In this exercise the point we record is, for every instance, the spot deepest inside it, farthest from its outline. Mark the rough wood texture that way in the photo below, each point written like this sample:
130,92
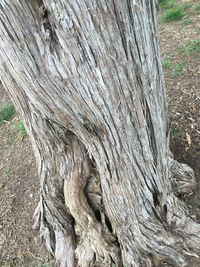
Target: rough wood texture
87,79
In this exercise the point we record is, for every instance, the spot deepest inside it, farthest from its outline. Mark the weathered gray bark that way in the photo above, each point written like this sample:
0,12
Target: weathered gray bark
87,79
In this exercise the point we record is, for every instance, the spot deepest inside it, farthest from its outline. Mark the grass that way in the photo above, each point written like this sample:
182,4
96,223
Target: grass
20,129
196,7
191,48
176,68
6,170
172,11
186,5
175,131
17,132
6,113
166,4
187,21
166,63
173,14
10,140
194,46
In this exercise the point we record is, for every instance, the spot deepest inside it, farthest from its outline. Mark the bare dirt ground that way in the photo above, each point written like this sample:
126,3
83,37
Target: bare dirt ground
180,43
19,185
19,194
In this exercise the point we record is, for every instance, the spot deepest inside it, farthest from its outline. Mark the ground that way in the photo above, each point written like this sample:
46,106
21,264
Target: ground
19,184
19,194
180,50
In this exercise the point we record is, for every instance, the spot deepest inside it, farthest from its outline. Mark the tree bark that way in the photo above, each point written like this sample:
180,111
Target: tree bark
86,77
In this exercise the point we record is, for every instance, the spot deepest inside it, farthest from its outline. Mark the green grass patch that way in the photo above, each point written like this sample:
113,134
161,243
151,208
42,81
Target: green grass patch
10,140
17,132
174,131
187,21
191,48
20,129
173,14
166,4
5,170
186,5
196,7
166,63
6,113
176,68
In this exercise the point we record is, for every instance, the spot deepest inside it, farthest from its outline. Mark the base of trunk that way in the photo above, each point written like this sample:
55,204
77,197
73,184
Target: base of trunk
77,231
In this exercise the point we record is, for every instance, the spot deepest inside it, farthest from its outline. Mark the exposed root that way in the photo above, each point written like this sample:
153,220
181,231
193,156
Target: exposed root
56,232
183,177
95,244
95,247
178,242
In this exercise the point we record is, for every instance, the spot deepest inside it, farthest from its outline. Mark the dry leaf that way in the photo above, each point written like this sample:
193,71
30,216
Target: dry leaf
194,110
188,139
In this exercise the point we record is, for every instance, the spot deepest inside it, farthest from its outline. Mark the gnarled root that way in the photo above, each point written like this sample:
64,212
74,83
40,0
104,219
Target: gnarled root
56,230
183,177
96,245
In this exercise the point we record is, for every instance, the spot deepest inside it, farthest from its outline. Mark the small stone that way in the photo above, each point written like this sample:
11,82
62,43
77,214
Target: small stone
194,217
1,185
31,195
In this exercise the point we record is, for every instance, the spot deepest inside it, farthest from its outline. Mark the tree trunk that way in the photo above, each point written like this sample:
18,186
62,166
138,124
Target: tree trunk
86,77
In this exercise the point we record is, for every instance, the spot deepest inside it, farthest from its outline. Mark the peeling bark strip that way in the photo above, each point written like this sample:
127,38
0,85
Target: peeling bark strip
87,79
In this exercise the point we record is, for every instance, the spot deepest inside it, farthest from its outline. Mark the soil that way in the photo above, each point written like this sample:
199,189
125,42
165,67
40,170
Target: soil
19,184
183,90
19,195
